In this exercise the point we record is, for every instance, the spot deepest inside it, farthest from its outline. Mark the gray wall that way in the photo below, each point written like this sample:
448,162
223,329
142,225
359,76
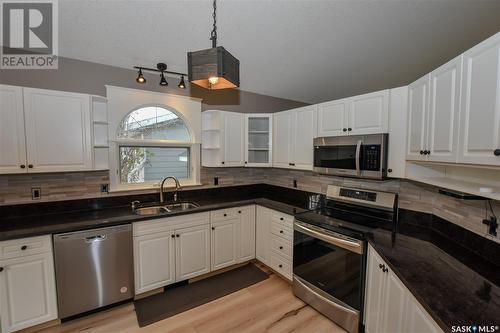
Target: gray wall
91,78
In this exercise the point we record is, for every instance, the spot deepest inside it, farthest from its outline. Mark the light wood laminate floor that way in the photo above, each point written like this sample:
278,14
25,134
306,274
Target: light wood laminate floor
268,306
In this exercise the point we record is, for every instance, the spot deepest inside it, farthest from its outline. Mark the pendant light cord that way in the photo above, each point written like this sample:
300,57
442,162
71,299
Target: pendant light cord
213,35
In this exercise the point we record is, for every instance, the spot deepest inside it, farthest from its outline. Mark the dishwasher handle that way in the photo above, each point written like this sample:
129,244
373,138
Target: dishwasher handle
97,238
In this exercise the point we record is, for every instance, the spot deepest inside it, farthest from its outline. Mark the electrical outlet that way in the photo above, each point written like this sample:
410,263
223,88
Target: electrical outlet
36,193
295,183
492,225
104,188
216,181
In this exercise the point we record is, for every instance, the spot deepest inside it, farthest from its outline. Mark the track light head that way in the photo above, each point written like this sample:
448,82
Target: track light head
182,84
140,78
163,81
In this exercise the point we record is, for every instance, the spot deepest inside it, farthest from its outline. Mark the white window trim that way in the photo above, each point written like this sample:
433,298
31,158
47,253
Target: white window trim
122,101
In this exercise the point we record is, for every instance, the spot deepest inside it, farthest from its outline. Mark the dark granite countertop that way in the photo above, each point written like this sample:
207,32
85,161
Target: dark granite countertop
452,293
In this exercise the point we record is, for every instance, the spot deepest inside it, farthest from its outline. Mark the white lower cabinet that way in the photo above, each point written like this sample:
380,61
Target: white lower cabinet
224,242
275,240
389,306
192,252
247,233
27,283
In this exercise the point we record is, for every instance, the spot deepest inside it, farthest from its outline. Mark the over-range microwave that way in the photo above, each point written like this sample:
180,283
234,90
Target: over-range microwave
361,156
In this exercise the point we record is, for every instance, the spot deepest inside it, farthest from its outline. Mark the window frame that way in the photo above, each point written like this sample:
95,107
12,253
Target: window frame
116,143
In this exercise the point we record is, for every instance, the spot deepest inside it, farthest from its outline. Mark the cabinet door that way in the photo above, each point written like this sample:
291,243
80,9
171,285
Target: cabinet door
263,233
223,243
417,319
304,129
480,107
247,233
398,103
28,290
442,138
369,113
58,134
394,307
283,126
418,93
375,292
12,139
154,261
258,143
192,252
234,139
332,118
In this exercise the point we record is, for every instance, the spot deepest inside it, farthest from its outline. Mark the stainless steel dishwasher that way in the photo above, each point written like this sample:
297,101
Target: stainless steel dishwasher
94,268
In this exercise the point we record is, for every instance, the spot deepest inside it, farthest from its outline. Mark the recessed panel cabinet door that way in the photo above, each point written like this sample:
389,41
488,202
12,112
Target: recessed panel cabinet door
12,139
375,292
305,130
247,233
418,100
263,231
154,261
223,243
282,154
442,139
369,113
28,292
234,139
394,305
480,107
58,133
192,252
332,118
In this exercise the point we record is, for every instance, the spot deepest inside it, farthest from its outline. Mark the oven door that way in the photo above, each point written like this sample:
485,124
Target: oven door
328,273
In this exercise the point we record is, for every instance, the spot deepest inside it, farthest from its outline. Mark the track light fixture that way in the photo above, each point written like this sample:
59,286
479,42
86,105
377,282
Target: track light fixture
140,77
162,69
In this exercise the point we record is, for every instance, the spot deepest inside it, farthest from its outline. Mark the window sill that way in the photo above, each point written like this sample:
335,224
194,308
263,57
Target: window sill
150,187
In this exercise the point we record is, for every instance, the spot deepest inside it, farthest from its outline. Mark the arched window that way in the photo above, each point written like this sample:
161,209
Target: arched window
154,142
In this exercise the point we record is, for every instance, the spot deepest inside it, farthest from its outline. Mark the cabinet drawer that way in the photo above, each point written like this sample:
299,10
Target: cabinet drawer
169,223
26,246
281,246
285,219
281,265
281,230
224,214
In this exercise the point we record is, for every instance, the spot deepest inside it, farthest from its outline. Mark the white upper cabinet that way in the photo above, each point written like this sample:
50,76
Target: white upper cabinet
258,141
332,118
294,131
12,137
233,139
283,126
480,107
58,133
443,114
369,113
418,101
363,114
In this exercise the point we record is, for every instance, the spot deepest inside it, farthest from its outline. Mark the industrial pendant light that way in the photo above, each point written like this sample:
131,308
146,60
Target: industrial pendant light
182,85
140,77
214,68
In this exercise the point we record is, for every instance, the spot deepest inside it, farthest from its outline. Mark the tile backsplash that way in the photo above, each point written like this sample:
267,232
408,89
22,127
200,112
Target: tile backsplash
414,196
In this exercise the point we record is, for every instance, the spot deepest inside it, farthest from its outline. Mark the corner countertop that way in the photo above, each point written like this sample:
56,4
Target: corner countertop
449,290
43,224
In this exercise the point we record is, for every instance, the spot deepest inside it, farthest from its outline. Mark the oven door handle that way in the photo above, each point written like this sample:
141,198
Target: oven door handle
353,246
358,157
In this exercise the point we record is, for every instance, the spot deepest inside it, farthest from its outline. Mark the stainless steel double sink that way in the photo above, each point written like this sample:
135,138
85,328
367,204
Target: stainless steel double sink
165,208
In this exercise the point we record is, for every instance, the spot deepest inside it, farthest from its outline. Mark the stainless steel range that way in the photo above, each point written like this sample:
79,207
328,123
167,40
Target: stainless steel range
329,252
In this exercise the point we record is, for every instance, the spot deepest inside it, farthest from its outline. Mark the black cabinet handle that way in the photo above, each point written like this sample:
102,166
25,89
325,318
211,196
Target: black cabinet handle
30,166
24,247
280,265
246,162
22,166
225,214
380,266
496,152
281,218
176,235
173,236
344,129
222,162
1,269
421,152
385,270
292,164
281,231
349,129
213,228
389,170
281,247
239,212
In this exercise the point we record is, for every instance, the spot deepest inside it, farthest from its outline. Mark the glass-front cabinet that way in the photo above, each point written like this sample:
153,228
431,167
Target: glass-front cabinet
258,141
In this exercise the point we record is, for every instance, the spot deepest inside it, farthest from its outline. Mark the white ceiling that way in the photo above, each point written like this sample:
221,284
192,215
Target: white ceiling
309,51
